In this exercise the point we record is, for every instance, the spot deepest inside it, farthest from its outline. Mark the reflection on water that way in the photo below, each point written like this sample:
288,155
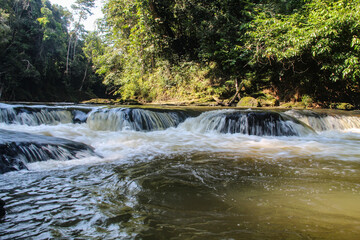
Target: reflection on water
180,183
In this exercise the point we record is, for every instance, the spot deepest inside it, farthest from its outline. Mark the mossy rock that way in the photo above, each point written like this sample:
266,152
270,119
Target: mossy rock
344,106
299,105
99,101
248,102
268,102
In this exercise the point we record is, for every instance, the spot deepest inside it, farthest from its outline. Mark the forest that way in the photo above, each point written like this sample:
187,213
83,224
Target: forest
298,51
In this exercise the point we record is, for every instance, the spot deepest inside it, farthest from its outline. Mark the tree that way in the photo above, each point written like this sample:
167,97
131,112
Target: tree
5,37
82,9
151,36
33,54
93,47
314,49
18,61
54,22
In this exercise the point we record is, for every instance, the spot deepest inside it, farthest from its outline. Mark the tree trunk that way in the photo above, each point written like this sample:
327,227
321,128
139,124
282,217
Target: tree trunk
75,43
68,55
83,80
237,94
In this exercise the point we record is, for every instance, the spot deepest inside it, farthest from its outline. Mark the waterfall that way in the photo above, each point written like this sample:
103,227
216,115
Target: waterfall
38,115
17,149
260,123
34,118
120,119
325,122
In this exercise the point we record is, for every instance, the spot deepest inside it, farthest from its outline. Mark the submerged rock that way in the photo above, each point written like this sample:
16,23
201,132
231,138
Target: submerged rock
79,116
18,148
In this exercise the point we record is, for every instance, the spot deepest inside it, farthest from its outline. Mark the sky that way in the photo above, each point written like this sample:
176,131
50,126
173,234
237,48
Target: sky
90,22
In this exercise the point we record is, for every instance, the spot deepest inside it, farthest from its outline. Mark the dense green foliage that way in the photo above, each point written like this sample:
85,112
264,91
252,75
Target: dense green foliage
151,50
173,49
35,39
313,50
189,48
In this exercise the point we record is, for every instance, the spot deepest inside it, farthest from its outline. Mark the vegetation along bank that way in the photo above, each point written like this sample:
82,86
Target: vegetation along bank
258,53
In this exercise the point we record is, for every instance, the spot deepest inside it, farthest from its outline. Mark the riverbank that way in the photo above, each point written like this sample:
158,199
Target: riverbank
244,102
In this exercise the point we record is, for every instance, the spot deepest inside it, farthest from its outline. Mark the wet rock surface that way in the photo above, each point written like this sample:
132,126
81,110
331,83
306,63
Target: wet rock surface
19,148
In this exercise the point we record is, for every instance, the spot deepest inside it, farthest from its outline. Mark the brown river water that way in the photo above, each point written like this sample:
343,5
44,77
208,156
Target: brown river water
181,174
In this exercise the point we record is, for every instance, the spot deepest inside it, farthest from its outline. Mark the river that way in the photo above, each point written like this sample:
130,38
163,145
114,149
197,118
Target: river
178,173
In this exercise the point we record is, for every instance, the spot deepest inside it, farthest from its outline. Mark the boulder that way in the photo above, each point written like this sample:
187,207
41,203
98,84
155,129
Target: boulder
344,106
17,149
248,102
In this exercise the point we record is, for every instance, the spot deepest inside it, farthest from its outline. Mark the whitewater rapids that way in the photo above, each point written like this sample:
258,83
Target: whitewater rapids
185,173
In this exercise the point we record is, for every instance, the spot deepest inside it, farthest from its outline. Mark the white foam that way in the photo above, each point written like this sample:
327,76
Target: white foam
125,145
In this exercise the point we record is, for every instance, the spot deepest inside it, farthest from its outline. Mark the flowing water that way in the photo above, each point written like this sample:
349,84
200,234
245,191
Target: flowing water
181,174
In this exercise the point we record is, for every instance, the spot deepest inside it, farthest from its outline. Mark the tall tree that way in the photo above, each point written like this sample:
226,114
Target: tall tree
54,22
82,9
18,61
33,51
